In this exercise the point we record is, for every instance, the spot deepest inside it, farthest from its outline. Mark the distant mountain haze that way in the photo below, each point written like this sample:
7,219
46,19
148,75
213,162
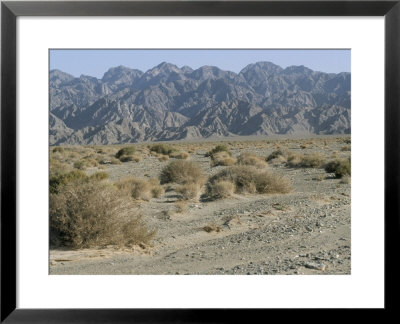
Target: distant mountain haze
171,103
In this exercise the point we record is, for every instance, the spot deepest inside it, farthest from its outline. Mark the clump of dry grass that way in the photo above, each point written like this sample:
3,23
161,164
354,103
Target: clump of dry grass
220,189
181,172
58,149
339,167
313,160
346,179
248,158
162,149
180,155
126,151
163,158
189,190
140,188
217,149
247,179
279,153
95,214
180,206
346,148
60,179
99,176
222,158
212,228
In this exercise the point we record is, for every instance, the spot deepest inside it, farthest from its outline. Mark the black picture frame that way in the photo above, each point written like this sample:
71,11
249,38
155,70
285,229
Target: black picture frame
11,10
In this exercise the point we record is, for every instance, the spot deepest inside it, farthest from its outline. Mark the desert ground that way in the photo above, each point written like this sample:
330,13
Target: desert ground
306,230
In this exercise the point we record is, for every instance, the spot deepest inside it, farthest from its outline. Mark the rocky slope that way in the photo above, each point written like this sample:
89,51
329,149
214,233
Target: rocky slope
171,103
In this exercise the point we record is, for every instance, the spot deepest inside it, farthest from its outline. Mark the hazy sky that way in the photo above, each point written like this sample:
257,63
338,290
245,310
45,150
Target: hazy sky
97,62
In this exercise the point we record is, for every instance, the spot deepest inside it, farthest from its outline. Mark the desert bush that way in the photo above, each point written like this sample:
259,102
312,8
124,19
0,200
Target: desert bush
180,206
139,188
115,161
99,176
220,189
339,167
58,180
212,228
313,160
126,151
218,148
162,149
163,158
248,158
181,172
80,165
189,190
346,148
249,179
346,179
94,214
222,158
180,155
58,149
277,154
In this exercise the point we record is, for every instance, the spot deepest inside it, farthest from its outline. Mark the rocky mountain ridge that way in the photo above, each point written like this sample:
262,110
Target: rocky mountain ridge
171,103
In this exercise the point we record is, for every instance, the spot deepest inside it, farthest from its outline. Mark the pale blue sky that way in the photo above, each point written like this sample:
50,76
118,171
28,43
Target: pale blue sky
97,62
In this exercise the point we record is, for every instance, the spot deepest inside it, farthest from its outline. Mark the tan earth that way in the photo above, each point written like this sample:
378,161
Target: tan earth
304,232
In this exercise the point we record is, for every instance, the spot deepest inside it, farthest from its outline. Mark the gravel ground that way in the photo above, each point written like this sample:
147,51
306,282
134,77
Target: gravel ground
304,232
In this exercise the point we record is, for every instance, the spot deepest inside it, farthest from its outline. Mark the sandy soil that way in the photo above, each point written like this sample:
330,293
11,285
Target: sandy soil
304,232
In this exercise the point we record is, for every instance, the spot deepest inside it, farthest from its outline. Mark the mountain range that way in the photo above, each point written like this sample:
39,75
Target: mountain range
171,103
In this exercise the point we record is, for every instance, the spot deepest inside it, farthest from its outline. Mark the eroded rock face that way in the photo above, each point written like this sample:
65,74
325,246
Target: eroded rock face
170,103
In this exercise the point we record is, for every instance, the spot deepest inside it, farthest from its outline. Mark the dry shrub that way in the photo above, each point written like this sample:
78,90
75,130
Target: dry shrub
115,161
126,151
181,172
181,206
95,214
222,158
180,155
212,228
58,149
346,179
162,149
75,177
279,153
248,158
313,160
189,190
346,148
220,189
339,167
140,188
163,158
99,176
249,179
218,148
